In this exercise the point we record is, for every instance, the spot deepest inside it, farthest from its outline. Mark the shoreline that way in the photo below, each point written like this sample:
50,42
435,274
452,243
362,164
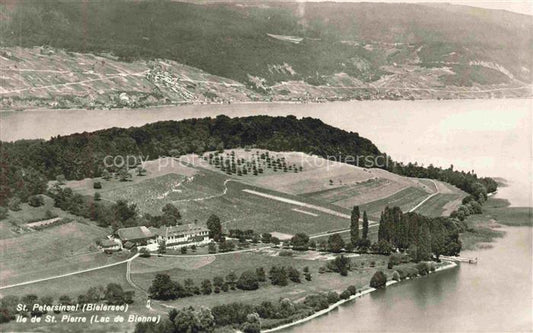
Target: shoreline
278,102
367,290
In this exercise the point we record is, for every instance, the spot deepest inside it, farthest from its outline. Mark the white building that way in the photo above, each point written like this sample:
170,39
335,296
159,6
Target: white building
182,235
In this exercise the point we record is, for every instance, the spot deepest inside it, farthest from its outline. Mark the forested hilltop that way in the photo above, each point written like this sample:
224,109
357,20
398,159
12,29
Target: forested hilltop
269,51
27,165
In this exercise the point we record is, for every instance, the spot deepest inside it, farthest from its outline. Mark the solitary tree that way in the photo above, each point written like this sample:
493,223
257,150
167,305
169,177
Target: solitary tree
379,280
206,287
140,171
365,225
215,227
106,175
300,241
354,226
171,214
162,248
261,275
248,281
335,243
231,279
424,243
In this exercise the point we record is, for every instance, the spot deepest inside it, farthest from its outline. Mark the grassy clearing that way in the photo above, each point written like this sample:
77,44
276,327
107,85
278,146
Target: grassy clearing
440,205
154,169
484,227
28,214
222,265
512,216
53,251
73,285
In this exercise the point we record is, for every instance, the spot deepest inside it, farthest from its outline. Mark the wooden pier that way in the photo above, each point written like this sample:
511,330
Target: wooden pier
460,259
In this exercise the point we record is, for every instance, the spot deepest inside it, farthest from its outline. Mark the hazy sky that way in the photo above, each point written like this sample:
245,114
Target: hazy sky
519,6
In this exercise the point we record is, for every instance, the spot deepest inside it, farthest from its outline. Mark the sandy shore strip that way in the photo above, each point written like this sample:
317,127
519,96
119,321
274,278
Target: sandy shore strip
368,290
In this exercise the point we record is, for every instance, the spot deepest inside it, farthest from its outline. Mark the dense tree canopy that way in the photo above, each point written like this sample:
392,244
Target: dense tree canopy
428,235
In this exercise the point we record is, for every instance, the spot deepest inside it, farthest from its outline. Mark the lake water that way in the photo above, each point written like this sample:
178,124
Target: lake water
493,137
493,296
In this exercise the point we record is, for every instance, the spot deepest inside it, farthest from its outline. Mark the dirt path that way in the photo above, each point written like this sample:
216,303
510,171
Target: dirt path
427,198
298,203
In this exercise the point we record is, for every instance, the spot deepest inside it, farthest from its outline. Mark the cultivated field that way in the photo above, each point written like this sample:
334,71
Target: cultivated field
240,210
73,285
199,192
336,184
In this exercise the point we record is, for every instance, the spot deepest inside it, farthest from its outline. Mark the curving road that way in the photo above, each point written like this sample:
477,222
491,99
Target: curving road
427,198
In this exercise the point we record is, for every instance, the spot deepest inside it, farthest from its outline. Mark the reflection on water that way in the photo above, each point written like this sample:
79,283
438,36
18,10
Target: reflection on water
494,295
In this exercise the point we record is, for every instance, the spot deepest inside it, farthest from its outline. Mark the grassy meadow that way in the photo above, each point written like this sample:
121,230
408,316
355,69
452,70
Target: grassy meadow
199,269
52,251
485,227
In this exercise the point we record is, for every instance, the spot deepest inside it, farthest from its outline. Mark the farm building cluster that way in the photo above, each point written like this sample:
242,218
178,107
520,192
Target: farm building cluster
149,238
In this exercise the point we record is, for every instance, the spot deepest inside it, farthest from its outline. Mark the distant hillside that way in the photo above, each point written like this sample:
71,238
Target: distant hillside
360,50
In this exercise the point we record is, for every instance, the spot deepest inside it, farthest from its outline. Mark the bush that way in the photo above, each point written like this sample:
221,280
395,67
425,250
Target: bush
345,294
300,242
144,253
352,290
248,281
3,213
278,276
285,253
335,243
35,201
333,297
97,185
379,280
432,266
317,302
261,275
382,247
401,273
396,259
206,287
340,265
396,276
294,275
423,268
14,204
411,272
